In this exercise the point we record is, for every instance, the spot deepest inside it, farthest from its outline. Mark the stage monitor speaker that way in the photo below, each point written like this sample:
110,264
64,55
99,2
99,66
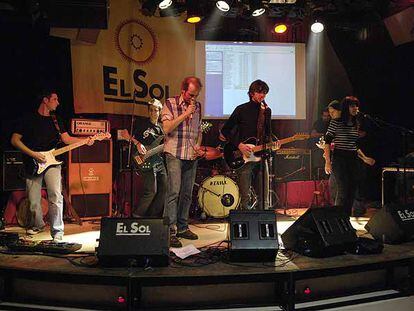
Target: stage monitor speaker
292,165
320,232
392,224
13,171
142,242
253,236
90,179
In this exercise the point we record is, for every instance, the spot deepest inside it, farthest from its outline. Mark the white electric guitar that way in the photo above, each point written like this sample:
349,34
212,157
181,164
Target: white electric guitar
35,167
235,159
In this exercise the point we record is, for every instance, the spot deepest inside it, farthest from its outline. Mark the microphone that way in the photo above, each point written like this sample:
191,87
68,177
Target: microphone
191,115
365,115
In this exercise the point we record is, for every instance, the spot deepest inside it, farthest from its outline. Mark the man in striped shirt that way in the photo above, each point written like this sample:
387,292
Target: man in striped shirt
181,117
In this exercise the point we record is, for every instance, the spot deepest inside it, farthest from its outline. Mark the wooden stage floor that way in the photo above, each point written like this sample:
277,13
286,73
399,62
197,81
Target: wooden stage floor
207,281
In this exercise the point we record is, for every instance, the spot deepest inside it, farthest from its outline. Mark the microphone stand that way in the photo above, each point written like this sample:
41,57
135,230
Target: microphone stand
405,132
265,179
129,162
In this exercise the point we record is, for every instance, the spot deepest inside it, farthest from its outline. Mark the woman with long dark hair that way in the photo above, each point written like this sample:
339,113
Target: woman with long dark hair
343,132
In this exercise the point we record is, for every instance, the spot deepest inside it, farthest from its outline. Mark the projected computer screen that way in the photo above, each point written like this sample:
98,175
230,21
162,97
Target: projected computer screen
228,68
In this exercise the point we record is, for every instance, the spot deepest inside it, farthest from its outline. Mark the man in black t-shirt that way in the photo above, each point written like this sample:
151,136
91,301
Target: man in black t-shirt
42,131
147,136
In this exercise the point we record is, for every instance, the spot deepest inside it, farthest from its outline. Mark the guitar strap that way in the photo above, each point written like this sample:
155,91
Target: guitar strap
55,122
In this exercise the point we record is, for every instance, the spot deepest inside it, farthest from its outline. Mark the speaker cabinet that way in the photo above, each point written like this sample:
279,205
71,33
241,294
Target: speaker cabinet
320,232
292,165
13,171
253,236
90,179
392,224
133,242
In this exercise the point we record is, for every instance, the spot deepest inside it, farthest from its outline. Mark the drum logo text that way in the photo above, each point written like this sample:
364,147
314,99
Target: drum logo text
218,182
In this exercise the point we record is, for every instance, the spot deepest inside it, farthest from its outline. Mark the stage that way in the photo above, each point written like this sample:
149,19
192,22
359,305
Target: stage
201,281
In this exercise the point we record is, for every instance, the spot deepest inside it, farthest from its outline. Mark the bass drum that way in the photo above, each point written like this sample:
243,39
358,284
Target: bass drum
218,195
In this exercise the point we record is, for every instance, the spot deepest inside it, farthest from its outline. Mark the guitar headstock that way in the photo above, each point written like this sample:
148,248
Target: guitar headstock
301,136
101,136
205,126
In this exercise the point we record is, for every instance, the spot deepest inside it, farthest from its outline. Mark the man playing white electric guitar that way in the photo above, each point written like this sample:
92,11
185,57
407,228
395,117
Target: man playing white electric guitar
38,132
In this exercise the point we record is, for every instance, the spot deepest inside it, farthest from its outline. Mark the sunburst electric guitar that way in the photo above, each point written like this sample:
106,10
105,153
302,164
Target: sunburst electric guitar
34,167
235,159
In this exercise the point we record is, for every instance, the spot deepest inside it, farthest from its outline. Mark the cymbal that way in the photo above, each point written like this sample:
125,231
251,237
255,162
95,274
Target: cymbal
211,153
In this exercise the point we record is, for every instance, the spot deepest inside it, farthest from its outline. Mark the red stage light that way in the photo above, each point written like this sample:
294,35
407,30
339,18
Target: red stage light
121,299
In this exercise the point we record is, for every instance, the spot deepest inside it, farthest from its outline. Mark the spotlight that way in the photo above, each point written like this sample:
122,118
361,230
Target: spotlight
317,27
193,12
280,28
223,6
257,8
164,4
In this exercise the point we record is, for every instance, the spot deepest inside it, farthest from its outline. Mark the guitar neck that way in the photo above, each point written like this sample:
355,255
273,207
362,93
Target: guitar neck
273,144
69,147
153,151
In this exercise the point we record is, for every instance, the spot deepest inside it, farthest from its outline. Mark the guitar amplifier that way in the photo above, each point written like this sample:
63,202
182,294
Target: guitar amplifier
292,164
89,127
89,179
13,171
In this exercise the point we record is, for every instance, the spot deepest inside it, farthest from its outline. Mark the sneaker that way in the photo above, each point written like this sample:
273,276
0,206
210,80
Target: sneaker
174,242
187,234
58,237
34,231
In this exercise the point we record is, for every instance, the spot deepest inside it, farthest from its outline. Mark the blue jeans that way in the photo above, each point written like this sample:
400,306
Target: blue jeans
251,174
53,181
181,177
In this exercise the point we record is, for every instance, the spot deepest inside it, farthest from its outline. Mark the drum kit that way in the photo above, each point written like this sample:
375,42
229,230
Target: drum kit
217,192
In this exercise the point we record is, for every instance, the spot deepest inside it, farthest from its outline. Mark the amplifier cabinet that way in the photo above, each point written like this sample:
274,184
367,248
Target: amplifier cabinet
12,173
292,164
90,179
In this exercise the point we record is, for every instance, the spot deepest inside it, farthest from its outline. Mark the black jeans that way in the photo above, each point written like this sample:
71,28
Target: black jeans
345,168
154,186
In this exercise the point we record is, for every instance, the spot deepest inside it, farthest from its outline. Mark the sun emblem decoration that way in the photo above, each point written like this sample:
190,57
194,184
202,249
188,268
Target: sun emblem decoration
136,41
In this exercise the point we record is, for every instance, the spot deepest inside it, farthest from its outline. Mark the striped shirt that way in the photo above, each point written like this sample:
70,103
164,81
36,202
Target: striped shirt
343,136
181,141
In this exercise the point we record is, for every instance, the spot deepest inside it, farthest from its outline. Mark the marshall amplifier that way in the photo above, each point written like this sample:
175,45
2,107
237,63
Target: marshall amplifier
292,164
133,242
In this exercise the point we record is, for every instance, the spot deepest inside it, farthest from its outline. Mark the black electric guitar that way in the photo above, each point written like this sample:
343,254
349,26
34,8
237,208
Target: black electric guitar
235,159
147,161
33,167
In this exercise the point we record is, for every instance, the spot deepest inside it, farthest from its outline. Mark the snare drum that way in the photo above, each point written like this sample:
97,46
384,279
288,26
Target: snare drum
218,195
